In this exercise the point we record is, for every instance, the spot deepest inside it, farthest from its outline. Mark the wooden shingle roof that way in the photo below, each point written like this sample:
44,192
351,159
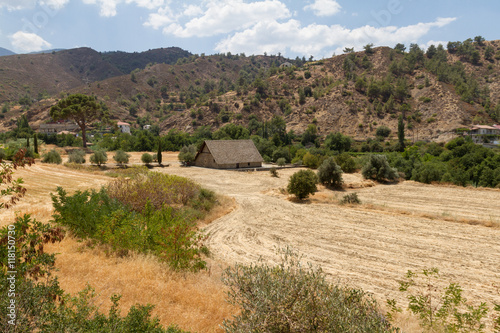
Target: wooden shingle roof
232,151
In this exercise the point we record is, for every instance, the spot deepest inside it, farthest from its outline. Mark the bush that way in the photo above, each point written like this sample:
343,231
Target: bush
41,304
187,155
77,156
274,172
329,173
311,161
146,158
378,168
291,297
383,131
121,157
281,161
346,162
302,184
52,157
350,199
99,157
2,154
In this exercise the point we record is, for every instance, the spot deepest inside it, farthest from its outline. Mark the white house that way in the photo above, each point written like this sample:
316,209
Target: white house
485,134
124,127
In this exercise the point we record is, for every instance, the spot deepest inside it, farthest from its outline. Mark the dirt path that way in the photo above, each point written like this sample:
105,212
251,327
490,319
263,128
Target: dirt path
363,246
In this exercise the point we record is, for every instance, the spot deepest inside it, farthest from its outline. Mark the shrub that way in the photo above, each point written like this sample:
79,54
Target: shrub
292,297
2,154
378,168
187,155
439,309
311,161
76,156
350,199
302,184
146,158
52,156
281,161
274,172
346,162
41,304
383,131
99,157
121,157
329,173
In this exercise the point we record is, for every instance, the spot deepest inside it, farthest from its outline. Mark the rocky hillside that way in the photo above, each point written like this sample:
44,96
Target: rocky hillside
437,91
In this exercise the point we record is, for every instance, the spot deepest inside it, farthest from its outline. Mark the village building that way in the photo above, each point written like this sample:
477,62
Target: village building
482,134
124,127
58,127
228,154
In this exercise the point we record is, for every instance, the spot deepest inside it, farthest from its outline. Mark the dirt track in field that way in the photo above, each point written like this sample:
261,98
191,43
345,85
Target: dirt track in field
396,228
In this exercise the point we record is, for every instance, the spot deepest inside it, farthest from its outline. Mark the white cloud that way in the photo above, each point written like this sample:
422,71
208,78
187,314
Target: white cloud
324,7
193,10
273,37
55,4
229,15
30,4
108,7
17,4
28,42
163,17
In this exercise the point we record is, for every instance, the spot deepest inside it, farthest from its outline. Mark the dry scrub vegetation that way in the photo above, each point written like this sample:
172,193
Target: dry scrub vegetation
370,246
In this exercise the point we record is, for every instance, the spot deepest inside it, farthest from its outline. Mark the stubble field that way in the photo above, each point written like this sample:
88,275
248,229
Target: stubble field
399,227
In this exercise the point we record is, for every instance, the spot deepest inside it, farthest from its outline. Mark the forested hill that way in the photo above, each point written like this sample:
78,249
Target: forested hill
437,91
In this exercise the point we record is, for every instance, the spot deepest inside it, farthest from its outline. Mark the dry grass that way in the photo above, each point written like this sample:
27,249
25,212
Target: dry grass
194,301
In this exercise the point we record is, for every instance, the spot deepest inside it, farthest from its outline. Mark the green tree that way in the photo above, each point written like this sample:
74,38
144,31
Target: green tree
35,143
99,157
187,154
82,109
159,157
338,142
400,48
401,133
77,156
302,184
121,157
146,158
383,131
329,173
378,168
52,156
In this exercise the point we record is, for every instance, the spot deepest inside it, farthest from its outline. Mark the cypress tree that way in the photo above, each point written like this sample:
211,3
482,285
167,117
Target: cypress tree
28,142
35,143
159,157
401,133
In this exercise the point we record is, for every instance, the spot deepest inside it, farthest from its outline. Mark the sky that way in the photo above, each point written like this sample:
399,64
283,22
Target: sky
318,28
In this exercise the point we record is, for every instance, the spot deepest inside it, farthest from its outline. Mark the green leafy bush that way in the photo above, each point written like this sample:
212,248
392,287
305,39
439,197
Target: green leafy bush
155,214
121,157
302,184
76,156
329,173
146,158
383,131
52,156
274,172
346,162
439,309
41,304
350,199
281,161
292,297
99,157
378,168
187,155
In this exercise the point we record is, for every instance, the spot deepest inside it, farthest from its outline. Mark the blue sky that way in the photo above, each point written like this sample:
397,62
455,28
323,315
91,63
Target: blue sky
293,28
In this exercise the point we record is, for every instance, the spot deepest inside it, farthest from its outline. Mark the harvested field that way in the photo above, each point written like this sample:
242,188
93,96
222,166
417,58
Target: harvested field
396,228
